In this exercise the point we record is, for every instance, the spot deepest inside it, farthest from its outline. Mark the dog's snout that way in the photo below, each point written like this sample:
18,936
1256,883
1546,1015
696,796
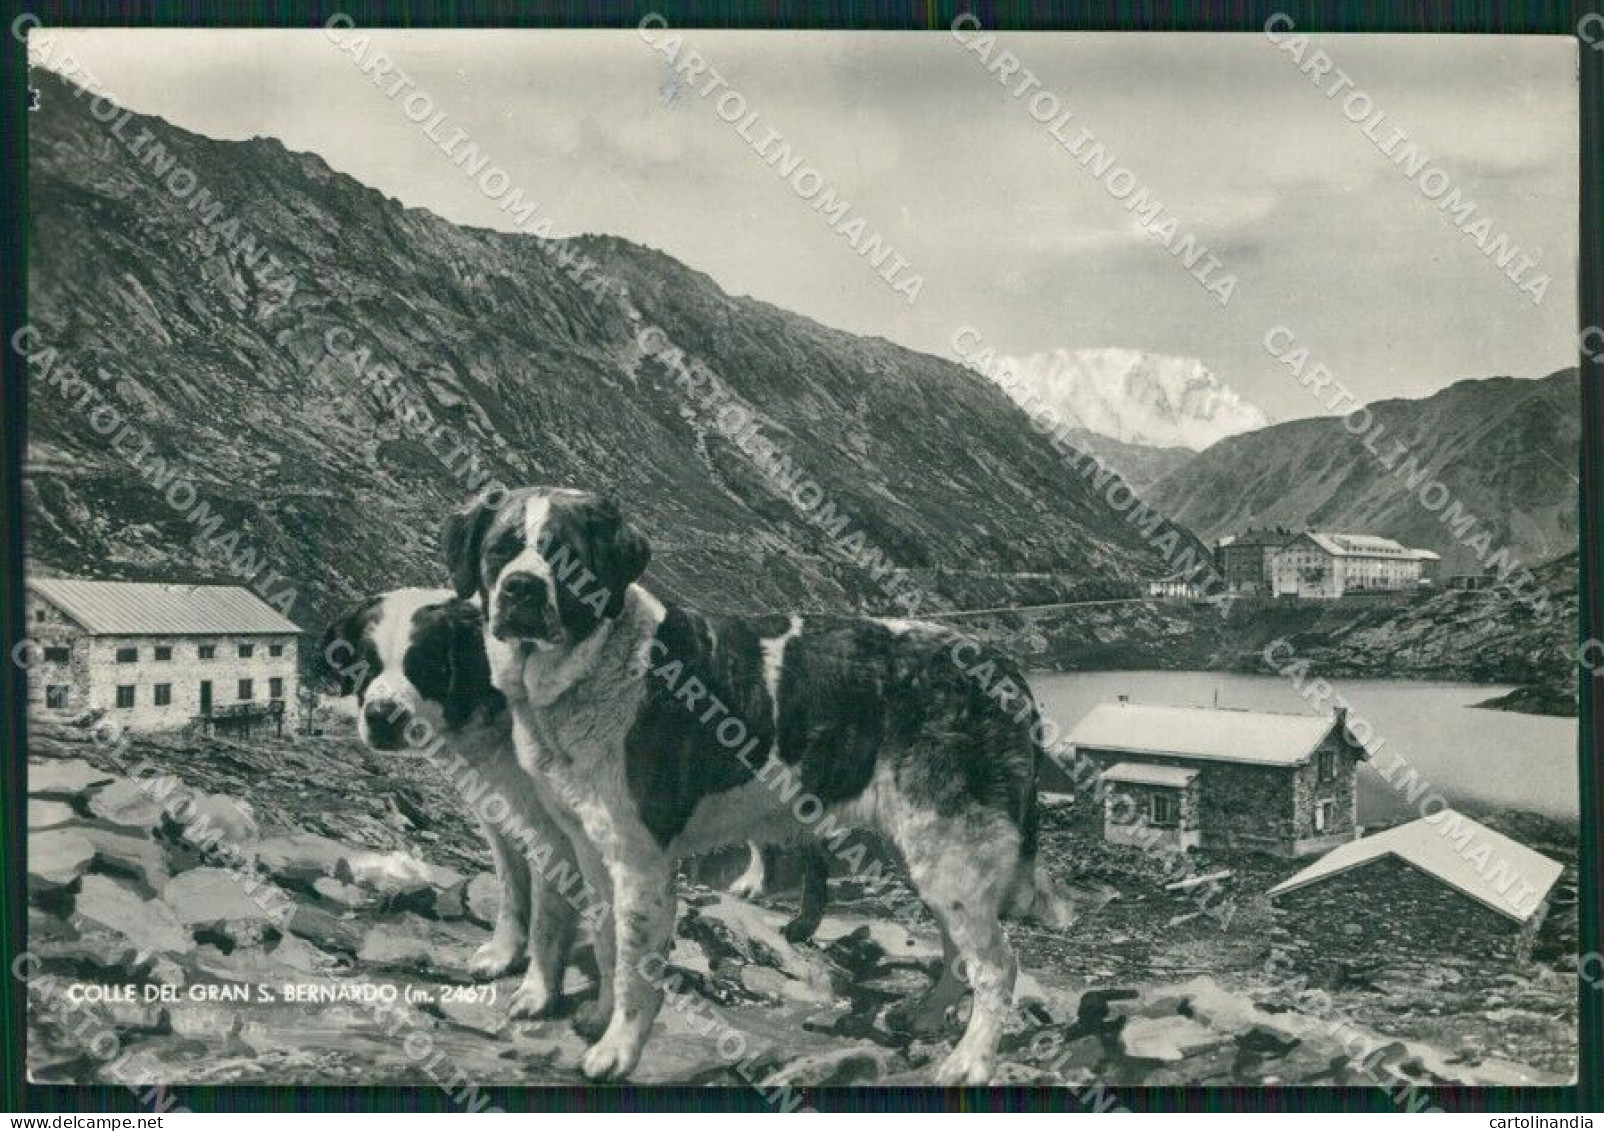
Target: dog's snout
523,587
386,719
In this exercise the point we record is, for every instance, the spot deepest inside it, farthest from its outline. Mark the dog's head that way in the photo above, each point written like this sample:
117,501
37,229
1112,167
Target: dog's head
411,657
549,564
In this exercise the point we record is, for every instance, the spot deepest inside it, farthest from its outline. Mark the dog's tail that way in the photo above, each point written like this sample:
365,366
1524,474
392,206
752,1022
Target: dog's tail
1031,894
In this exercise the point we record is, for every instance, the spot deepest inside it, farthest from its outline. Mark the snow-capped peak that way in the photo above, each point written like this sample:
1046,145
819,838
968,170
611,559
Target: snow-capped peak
1139,398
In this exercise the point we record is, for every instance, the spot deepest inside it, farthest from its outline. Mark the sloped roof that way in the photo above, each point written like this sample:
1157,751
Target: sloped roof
1359,545
141,608
1218,734
1136,773
1486,865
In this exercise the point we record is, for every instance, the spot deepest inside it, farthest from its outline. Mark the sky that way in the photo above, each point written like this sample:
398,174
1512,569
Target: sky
1008,234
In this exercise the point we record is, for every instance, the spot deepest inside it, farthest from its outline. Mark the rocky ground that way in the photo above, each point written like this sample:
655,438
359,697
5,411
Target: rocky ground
358,872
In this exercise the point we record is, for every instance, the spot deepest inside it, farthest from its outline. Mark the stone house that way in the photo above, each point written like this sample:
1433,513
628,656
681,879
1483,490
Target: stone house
1441,885
1214,777
160,657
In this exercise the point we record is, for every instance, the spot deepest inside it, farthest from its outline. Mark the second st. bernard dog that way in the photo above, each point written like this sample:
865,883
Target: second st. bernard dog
656,732
415,661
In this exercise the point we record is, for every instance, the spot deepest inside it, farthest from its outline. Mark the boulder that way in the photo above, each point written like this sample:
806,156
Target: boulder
769,982
56,859
300,858
838,1067
483,899
48,814
323,930
214,896
218,818
65,780
395,874
123,854
125,804
390,947
1166,1038
348,896
149,924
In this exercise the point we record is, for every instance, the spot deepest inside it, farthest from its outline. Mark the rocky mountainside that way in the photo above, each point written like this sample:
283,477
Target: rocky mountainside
1134,397
1506,450
1140,465
253,380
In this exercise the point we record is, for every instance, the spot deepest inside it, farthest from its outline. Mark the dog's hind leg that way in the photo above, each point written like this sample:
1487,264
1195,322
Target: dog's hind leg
963,878
749,884
815,893
929,1014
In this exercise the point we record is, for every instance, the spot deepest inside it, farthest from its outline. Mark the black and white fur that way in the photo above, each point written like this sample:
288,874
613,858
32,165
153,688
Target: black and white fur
876,719
415,660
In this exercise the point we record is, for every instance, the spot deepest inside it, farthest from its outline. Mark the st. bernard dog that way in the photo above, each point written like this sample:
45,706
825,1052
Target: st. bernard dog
415,660
625,709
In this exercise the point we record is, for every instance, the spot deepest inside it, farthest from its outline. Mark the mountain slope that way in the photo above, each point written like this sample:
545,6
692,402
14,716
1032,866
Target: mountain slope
1134,397
1140,465
1505,449
233,380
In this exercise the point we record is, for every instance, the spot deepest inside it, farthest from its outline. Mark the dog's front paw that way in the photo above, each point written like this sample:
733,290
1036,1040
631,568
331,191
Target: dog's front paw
496,958
590,1019
611,1058
532,1001
964,1069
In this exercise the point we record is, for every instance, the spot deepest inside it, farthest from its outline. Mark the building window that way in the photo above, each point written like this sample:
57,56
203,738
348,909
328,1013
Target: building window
164,652
246,650
275,649
275,688
1163,811
164,695
1323,814
39,616
246,690
128,655
206,652
56,696
58,655
1328,765
125,695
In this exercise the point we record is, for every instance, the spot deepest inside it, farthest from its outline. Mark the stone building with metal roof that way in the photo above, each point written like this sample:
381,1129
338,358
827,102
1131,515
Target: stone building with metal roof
1210,777
154,656
1443,884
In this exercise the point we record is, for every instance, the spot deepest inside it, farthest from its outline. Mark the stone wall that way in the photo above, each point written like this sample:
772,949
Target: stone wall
48,628
1239,806
1309,790
1126,822
1390,916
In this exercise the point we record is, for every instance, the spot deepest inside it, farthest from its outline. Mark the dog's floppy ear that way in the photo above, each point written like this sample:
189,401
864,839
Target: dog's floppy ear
462,537
622,552
338,668
467,666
